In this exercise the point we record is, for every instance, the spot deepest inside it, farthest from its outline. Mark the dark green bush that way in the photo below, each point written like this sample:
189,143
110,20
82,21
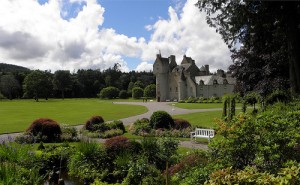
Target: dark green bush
93,122
123,94
46,130
109,92
117,124
137,92
140,127
180,124
161,119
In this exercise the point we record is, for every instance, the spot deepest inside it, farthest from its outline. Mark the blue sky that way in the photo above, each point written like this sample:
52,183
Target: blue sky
83,34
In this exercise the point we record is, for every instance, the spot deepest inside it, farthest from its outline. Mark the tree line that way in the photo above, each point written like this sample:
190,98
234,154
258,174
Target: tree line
85,83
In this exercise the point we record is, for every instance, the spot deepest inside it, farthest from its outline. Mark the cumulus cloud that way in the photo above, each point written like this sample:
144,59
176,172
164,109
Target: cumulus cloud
39,36
49,37
186,32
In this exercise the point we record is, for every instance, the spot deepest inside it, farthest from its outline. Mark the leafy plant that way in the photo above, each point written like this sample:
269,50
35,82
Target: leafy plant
161,119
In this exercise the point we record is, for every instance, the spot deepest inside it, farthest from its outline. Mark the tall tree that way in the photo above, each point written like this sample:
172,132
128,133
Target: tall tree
62,81
264,37
38,84
9,86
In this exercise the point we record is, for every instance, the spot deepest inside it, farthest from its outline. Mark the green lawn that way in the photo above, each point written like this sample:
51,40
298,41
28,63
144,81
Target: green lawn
201,119
16,115
199,105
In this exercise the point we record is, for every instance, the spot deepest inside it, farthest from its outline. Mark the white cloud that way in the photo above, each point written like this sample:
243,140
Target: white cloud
187,33
36,36
144,66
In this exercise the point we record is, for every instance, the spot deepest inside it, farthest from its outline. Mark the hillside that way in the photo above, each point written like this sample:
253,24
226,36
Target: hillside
11,68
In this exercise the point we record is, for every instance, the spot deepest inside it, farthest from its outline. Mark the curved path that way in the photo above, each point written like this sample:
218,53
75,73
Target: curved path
152,107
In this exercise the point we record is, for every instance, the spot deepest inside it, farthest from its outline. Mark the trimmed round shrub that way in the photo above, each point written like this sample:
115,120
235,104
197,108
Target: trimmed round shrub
109,92
46,130
93,122
150,90
161,119
123,94
137,92
180,124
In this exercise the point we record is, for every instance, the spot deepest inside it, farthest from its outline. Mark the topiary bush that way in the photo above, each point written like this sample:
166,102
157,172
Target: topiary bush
161,119
180,124
137,92
46,130
93,122
109,92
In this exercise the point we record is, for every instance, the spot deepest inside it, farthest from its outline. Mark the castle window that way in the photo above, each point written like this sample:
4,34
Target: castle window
225,81
176,89
170,89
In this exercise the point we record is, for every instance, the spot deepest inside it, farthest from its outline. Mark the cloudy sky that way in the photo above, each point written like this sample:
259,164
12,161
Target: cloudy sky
96,34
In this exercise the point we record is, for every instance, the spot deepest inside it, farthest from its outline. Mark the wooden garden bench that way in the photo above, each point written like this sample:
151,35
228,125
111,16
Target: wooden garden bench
202,133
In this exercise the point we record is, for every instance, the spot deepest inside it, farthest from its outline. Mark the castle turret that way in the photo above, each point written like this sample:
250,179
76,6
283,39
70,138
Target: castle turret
161,71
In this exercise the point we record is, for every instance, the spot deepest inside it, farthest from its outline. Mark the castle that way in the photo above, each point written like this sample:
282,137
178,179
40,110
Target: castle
178,82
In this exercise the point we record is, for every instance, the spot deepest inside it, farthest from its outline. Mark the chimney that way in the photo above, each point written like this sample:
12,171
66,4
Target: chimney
172,58
207,69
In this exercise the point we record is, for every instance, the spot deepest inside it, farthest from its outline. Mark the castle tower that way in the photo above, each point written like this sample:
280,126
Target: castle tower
161,71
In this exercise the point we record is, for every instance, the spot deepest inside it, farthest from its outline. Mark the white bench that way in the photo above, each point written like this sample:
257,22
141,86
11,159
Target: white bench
202,133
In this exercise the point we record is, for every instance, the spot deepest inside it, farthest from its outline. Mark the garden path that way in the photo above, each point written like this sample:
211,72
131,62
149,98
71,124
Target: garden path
152,107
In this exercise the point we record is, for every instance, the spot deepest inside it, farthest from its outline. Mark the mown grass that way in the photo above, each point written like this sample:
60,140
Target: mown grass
198,105
17,115
201,119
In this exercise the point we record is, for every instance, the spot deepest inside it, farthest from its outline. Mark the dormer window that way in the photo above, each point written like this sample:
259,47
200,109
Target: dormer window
225,81
201,82
215,82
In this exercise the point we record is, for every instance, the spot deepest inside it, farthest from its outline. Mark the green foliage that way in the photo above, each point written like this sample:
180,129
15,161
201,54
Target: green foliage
141,172
69,134
97,128
2,97
139,84
267,141
278,96
137,92
251,175
109,92
140,127
38,84
46,130
93,123
62,81
191,169
89,162
252,98
123,94
161,119
150,91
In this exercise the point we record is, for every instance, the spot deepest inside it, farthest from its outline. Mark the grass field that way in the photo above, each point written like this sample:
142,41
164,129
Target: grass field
16,115
199,105
201,119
